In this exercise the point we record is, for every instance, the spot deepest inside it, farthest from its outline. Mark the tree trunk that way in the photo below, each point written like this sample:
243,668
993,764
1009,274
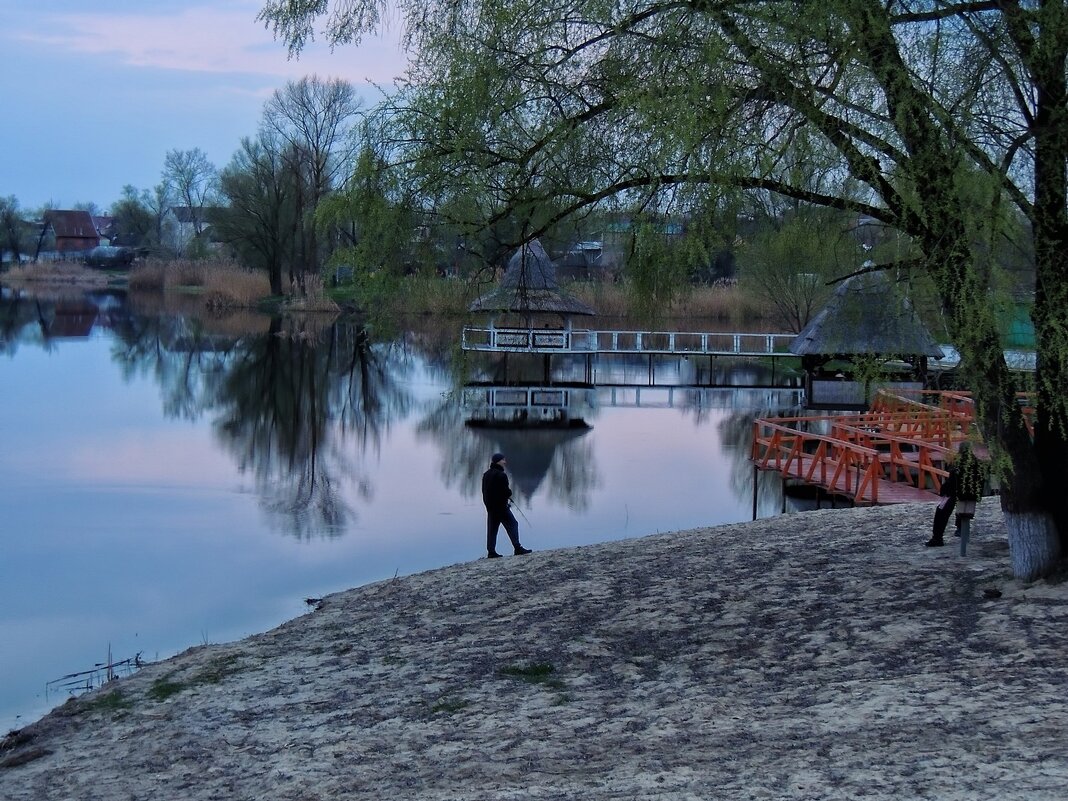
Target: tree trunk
1033,544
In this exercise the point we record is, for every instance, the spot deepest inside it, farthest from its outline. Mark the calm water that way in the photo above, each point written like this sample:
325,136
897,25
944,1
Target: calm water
167,481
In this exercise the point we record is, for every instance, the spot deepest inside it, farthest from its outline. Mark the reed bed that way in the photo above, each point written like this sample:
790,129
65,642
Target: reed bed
223,284
313,299
54,272
724,302
434,296
449,296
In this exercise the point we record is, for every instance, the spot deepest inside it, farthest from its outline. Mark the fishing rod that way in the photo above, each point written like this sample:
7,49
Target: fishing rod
521,514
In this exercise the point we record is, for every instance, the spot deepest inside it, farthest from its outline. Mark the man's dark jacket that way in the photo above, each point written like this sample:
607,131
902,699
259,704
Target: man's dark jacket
495,489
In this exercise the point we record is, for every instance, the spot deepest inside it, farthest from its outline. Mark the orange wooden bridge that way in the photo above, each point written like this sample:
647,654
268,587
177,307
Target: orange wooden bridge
894,453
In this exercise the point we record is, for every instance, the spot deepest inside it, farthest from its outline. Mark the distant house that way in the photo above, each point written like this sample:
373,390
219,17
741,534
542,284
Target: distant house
73,230
67,234
183,224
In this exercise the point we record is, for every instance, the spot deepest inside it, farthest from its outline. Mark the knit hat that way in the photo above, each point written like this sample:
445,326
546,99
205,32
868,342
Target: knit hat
497,457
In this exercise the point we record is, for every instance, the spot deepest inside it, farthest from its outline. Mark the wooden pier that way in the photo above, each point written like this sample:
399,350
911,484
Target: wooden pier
894,453
582,341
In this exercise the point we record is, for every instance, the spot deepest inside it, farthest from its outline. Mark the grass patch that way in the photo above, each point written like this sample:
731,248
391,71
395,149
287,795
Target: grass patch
217,670
214,672
114,701
534,673
449,705
164,688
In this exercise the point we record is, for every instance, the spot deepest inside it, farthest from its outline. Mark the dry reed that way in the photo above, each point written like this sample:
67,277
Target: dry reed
725,302
313,299
224,285
54,272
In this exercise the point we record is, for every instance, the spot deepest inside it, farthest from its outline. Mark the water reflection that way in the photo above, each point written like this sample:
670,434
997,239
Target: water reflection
299,403
296,406
145,451
296,402
558,461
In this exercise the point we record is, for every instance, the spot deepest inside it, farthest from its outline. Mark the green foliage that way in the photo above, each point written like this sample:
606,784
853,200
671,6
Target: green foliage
133,220
262,216
14,241
656,271
379,228
793,261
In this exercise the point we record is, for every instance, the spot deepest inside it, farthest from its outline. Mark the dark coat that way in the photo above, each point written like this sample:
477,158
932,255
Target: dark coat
495,490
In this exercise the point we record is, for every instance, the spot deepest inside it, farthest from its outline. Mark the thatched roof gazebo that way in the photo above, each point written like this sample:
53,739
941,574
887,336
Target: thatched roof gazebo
530,287
865,319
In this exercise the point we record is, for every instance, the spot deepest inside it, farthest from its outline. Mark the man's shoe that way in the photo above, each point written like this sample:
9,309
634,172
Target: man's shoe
520,551
933,543
493,555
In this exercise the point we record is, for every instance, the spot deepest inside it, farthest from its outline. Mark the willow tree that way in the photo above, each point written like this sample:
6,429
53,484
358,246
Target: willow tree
906,106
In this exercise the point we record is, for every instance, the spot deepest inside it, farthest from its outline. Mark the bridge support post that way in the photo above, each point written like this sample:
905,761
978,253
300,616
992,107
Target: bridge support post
756,479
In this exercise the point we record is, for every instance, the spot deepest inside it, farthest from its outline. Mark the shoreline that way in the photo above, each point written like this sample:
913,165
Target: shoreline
823,654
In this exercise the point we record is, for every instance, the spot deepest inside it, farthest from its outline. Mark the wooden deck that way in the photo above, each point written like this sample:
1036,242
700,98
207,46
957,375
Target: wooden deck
894,453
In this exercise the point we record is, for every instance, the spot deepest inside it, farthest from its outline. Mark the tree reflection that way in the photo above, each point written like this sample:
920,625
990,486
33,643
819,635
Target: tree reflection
297,402
18,318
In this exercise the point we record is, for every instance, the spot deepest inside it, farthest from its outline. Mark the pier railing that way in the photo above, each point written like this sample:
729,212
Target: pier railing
855,455
837,466
567,340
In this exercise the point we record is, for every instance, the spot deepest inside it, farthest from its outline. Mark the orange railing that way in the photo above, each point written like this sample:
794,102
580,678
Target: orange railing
900,440
906,437
817,459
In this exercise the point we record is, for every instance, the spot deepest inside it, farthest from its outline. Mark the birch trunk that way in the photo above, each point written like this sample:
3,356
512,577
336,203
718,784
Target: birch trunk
1034,544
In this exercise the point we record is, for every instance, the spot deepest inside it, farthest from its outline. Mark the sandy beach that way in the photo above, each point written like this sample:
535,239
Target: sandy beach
824,655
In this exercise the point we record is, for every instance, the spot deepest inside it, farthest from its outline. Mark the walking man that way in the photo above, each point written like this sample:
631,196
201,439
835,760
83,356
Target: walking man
496,494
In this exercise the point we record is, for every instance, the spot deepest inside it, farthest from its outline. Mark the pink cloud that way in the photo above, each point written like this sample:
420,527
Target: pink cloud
215,40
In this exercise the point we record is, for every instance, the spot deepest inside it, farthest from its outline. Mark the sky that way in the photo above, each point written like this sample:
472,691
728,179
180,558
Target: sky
96,94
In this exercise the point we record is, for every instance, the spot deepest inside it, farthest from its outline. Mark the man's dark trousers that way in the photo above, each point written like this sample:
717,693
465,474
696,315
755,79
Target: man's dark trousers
494,519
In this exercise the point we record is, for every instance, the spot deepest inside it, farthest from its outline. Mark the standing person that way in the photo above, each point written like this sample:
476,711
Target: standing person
496,494
964,484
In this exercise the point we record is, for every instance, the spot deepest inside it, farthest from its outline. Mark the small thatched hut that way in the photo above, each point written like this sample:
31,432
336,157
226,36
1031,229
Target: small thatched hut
529,288
865,319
